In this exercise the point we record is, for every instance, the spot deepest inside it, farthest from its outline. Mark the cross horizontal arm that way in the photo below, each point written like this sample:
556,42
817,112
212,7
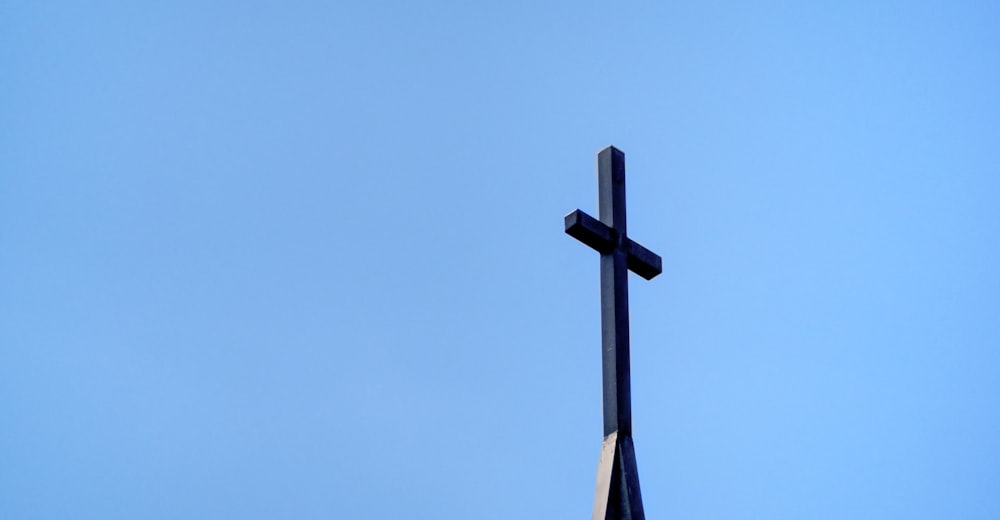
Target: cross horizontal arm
590,231
599,236
642,261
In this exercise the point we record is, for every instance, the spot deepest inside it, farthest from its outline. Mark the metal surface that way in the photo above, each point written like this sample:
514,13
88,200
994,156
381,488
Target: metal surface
617,496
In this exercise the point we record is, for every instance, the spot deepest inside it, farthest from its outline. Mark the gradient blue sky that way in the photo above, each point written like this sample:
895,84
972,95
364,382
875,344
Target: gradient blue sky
306,260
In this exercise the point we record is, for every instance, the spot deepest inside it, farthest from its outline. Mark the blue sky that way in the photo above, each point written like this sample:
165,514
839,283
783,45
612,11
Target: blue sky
306,260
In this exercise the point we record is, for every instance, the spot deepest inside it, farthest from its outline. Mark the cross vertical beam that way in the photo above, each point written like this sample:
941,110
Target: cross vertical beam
617,496
614,294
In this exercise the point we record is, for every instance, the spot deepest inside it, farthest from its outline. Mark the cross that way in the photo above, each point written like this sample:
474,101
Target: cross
617,496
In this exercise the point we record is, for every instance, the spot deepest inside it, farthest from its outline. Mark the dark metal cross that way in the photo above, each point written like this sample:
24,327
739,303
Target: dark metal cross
617,494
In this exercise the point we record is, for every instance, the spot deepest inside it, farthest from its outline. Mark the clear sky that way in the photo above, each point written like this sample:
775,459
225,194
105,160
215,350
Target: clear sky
306,260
